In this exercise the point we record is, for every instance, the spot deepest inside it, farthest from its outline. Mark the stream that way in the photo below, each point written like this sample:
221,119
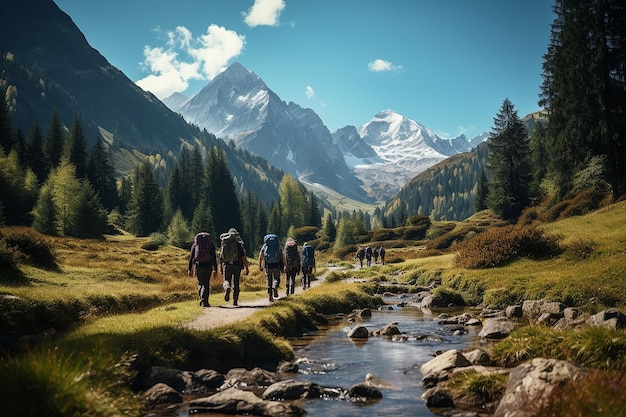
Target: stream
331,359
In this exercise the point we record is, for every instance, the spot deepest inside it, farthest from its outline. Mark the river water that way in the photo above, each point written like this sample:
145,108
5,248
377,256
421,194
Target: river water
331,359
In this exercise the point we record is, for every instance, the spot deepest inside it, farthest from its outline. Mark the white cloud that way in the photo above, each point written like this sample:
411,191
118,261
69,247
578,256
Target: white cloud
310,93
264,13
186,58
381,65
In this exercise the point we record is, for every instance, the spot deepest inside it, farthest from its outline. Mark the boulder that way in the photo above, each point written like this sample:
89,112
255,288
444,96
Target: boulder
611,318
292,390
444,362
496,328
257,377
366,313
532,385
175,378
161,394
389,330
437,397
236,401
358,332
364,391
478,357
514,311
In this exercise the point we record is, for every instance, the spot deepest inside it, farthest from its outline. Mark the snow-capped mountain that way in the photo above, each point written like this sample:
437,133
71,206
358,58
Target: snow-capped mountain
403,149
237,105
370,162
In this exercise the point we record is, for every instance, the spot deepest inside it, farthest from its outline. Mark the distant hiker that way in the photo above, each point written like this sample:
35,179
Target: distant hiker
360,255
381,252
308,264
375,255
202,263
271,260
292,264
368,255
233,259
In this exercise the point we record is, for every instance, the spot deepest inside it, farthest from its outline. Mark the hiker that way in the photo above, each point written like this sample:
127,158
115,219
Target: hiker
308,264
381,252
202,263
232,259
271,260
360,255
368,255
292,264
375,255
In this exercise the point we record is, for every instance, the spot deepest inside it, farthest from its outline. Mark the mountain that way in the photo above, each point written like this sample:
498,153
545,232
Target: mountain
402,147
46,63
175,101
237,105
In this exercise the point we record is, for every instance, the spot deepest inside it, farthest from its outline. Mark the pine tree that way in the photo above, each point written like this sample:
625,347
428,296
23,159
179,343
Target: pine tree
220,192
508,160
6,131
55,141
76,149
101,175
87,217
202,219
145,212
330,231
292,205
125,194
45,214
315,217
482,189
34,153
178,233
583,90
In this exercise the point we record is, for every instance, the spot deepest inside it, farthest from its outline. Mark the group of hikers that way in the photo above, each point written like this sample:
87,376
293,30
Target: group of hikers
273,260
368,253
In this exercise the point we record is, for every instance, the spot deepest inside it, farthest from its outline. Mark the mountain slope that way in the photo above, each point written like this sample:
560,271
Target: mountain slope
46,63
237,105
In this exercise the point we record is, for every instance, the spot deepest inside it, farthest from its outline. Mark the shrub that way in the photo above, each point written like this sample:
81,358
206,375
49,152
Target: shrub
414,233
25,245
305,233
381,235
154,242
579,250
498,246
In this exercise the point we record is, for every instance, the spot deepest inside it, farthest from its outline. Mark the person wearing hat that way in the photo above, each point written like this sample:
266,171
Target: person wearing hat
232,259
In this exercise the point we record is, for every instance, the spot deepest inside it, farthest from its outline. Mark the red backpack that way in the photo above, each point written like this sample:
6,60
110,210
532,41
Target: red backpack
203,244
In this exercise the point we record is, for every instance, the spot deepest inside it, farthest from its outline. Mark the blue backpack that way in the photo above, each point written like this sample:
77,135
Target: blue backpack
308,255
271,249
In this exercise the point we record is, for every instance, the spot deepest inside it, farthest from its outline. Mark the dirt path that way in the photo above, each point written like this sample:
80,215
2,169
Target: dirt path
226,314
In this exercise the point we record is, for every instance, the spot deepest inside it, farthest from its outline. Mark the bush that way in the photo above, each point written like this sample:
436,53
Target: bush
381,235
498,246
579,250
27,246
154,242
305,233
414,232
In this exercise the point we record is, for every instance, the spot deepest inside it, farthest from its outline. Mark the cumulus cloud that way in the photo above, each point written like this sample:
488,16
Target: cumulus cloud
381,65
264,13
310,93
186,58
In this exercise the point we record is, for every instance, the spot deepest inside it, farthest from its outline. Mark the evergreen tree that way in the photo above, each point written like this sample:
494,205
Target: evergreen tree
274,222
539,158
315,217
55,140
583,90
125,194
482,189
101,175
202,219
292,205
87,217
145,212
6,131
221,194
178,233
34,153
21,147
508,160
65,188
330,231
261,227
76,149
174,192
45,214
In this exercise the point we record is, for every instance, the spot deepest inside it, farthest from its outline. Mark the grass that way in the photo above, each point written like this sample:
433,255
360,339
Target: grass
119,309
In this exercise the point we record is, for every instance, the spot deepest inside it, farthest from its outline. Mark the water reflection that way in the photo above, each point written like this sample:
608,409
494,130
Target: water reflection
331,359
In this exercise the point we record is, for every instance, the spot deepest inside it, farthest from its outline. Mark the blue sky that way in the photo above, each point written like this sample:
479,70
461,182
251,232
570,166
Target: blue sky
447,64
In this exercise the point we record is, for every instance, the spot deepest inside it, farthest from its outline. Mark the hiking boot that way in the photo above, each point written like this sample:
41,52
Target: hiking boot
235,303
227,294
275,293
204,304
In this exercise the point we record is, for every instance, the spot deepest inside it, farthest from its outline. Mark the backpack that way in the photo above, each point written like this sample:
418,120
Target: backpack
308,255
229,250
271,249
291,254
203,244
